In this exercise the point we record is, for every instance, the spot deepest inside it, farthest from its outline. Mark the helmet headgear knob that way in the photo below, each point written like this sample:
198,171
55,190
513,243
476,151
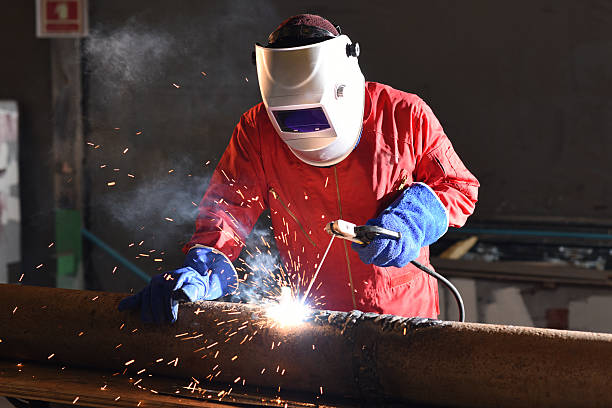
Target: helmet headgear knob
353,50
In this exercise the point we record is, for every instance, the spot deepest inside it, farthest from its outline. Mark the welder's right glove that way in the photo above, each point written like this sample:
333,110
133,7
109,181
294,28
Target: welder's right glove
421,219
206,275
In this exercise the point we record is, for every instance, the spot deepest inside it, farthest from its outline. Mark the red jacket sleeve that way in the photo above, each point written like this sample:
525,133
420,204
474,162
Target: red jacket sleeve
439,166
234,198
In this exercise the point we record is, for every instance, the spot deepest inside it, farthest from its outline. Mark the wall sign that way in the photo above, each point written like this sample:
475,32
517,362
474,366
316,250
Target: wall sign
61,18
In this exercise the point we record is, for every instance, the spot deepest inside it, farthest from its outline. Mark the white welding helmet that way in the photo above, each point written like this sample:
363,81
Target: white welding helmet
314,93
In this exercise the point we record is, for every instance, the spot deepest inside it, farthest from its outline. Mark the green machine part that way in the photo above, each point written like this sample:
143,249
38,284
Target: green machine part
68,241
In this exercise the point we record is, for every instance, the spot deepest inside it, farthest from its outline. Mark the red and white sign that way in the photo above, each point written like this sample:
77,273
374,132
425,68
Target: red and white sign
61,18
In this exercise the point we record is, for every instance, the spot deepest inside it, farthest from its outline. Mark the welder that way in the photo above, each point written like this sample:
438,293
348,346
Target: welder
324,145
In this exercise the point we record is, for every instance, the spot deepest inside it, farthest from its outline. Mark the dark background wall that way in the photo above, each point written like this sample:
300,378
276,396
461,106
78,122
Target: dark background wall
522,88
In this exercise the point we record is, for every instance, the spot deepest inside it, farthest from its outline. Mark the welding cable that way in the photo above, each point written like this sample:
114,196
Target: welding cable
446,283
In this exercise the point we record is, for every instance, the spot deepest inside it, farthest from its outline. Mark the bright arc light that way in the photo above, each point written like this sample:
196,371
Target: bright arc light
289,311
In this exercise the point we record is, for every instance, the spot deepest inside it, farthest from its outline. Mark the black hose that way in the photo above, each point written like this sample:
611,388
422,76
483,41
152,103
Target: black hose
446,283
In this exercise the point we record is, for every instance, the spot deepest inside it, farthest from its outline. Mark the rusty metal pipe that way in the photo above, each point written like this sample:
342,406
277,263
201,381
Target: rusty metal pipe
363,356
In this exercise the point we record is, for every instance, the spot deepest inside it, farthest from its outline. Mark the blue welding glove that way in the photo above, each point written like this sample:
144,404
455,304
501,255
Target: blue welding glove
206,275
418,215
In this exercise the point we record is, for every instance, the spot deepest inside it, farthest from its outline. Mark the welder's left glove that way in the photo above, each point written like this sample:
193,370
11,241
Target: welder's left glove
421,219
206,275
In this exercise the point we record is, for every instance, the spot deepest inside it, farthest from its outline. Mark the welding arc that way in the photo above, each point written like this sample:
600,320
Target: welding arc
318,269
446,283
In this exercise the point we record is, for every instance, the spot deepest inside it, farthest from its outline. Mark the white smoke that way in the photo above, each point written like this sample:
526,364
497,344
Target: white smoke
130,68
130,54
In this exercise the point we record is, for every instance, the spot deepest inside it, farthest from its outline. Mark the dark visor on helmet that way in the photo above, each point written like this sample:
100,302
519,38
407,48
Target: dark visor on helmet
301,120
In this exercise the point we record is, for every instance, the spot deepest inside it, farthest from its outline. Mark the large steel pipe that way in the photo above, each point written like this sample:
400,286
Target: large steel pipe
366,356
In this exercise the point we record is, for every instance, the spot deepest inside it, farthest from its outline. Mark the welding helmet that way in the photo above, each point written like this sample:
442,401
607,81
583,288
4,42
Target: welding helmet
312,88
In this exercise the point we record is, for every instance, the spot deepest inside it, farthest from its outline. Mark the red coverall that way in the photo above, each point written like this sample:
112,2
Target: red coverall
401,142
